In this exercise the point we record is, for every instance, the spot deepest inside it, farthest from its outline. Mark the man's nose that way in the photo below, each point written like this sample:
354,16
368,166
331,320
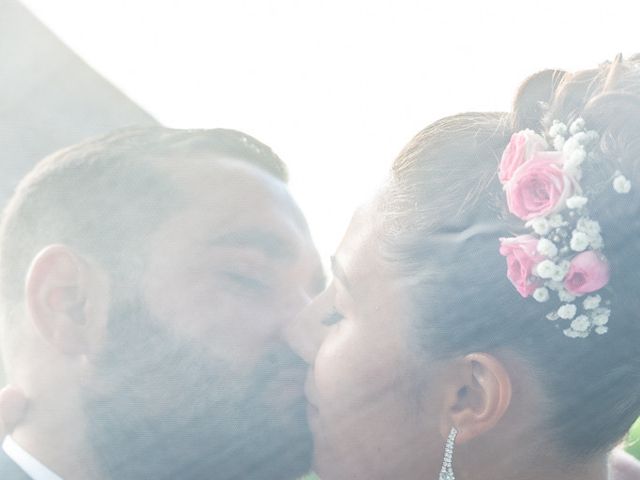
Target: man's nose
305,333
295,302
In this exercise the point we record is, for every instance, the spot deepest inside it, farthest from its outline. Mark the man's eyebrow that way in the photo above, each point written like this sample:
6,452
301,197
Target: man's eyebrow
338,271
271,244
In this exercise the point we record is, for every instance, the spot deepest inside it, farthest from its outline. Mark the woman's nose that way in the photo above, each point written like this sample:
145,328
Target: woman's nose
305,332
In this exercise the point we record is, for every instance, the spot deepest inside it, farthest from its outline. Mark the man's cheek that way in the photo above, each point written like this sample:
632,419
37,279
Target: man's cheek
237,334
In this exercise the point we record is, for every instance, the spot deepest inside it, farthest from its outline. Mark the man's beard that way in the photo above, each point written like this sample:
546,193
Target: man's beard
162,408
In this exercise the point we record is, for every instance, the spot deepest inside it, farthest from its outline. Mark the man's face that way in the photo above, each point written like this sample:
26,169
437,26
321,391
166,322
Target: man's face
195,380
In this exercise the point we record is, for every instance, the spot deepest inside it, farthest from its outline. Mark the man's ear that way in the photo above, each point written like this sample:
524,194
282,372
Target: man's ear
13,408
66,298
477,397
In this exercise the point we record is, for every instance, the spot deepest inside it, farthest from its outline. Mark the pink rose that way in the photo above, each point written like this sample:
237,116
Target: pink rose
522,145
522,257
539,187
588,272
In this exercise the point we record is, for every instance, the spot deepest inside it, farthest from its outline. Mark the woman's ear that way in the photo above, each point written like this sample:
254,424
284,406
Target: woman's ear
66,298
477,397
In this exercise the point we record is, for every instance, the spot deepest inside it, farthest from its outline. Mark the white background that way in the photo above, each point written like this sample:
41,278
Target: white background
336,88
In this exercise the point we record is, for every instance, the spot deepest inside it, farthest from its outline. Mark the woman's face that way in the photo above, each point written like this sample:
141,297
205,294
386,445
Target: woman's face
372,406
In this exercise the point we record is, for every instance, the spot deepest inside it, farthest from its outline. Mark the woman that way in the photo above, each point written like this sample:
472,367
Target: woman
482,322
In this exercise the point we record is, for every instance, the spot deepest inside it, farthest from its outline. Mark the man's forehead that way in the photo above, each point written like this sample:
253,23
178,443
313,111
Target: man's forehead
231,183
192,170
231,203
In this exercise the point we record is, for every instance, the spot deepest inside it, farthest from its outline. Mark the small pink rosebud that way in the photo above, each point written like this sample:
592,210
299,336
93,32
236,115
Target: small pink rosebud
588,272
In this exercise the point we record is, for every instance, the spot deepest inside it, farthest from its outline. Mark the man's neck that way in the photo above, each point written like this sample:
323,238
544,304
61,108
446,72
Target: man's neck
27,462
61,448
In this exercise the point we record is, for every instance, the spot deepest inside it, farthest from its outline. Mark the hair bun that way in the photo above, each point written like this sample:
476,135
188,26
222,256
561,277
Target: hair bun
533,99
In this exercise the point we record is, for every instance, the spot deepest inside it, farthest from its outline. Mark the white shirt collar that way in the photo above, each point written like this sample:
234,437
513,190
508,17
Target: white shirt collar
31,466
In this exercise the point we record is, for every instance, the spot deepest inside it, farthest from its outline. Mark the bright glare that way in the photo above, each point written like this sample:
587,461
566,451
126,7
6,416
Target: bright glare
335,87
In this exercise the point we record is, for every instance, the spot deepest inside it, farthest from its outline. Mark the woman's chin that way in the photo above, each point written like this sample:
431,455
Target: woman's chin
329,467
333,461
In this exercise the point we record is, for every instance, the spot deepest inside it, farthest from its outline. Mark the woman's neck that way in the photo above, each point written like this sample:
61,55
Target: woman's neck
512,468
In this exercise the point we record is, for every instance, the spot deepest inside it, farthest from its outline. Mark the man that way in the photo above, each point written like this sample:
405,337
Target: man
146,280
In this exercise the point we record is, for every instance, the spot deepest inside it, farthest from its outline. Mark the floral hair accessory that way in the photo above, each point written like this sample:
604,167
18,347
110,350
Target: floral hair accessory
562,256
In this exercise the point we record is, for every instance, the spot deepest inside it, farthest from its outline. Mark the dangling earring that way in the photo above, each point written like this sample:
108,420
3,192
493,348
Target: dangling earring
446,473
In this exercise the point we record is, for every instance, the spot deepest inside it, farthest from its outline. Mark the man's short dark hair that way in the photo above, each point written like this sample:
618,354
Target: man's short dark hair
104,196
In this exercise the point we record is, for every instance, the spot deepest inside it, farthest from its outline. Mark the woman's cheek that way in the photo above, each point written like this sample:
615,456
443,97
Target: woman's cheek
341,368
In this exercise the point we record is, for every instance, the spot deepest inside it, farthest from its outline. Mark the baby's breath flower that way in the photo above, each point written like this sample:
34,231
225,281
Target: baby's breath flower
588,226
567,311
565,296
579,241
621,184
547,248
571,145
601,317
577,126
593,136
592,302
576,201
541,294
557,129
545,269
596,242
556,221
552,316
571,333
561,271
581,137
539,225
575,158
581,323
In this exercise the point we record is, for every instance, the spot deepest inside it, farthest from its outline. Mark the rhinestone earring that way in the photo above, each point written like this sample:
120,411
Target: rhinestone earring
446,473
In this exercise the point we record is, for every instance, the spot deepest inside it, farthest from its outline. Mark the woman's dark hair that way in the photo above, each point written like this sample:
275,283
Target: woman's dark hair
445,211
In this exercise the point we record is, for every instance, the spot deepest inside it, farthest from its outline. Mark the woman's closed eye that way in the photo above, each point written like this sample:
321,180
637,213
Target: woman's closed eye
332,317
